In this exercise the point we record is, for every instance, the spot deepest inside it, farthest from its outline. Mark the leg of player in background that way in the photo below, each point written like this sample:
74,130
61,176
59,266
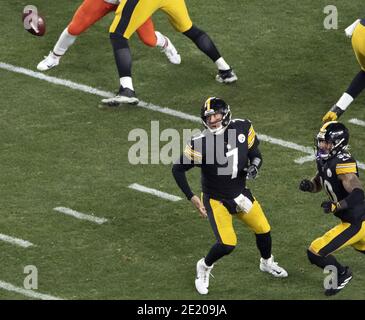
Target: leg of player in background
152,38
358,83
129,16
123,60
88,13
179,17
356,87
207,46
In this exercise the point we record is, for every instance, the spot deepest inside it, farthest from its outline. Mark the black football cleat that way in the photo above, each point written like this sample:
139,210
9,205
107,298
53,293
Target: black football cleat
342,281
226,76
125,95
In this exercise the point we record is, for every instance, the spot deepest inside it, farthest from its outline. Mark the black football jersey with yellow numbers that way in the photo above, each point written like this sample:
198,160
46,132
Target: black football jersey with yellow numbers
328,171
223,158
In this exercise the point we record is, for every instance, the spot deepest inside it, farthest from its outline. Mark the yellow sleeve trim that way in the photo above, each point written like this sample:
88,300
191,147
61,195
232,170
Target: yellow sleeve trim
251,137
343,168
192,154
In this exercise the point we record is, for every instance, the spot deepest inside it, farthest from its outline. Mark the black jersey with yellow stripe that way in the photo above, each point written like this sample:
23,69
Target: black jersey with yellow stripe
329,172
223,158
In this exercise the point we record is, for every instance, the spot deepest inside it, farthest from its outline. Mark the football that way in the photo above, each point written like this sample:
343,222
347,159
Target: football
35,24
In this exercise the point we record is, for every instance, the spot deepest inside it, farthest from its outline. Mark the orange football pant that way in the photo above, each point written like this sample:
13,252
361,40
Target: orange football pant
90,11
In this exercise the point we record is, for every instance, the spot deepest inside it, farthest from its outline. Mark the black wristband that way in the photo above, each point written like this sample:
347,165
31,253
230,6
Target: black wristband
189,196
337,110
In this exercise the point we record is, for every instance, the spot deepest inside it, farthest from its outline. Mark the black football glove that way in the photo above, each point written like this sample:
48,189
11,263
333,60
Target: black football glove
252,172
330,206
306,185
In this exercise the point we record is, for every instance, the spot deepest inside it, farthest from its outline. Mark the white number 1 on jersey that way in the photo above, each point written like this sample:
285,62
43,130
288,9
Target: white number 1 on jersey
234,154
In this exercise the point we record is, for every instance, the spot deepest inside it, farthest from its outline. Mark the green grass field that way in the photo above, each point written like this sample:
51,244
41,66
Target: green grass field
59,149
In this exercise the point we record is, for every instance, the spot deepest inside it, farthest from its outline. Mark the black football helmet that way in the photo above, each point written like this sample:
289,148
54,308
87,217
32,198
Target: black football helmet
335,133
215,105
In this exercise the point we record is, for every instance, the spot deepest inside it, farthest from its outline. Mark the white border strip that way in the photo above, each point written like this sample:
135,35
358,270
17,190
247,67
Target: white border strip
305,159
302,160
15,241
54,80
157,193
29,293
357,122
150,106
361,165
283,143
80,215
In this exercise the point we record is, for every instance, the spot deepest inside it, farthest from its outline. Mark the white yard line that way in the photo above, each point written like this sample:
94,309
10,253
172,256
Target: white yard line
286,144
54,80
15,241
29,293
290,145
91,90
305,159
302,160
157,193
80,215
150,106
361,165
357,122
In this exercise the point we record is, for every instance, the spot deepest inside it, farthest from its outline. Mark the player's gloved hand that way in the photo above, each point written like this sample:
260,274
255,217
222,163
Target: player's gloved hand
252,172
330,116
333,114
306,185
330,206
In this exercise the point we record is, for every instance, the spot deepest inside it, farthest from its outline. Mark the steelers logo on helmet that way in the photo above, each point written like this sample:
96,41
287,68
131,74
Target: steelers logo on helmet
332,138
210,111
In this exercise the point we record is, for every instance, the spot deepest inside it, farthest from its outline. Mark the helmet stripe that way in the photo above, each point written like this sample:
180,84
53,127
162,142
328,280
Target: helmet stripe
326,125
208,103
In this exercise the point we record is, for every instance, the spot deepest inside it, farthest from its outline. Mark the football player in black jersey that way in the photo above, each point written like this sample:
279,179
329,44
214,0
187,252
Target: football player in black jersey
227,153
337,174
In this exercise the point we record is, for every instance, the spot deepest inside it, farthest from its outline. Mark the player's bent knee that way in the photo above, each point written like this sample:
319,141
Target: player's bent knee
194,33
262,228
118,41
76,29
226,248
229,240
313,257
148,40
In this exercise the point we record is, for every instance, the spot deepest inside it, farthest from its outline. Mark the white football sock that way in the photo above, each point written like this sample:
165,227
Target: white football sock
344,101
161,40
64,42
222,64
126,82
350,29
